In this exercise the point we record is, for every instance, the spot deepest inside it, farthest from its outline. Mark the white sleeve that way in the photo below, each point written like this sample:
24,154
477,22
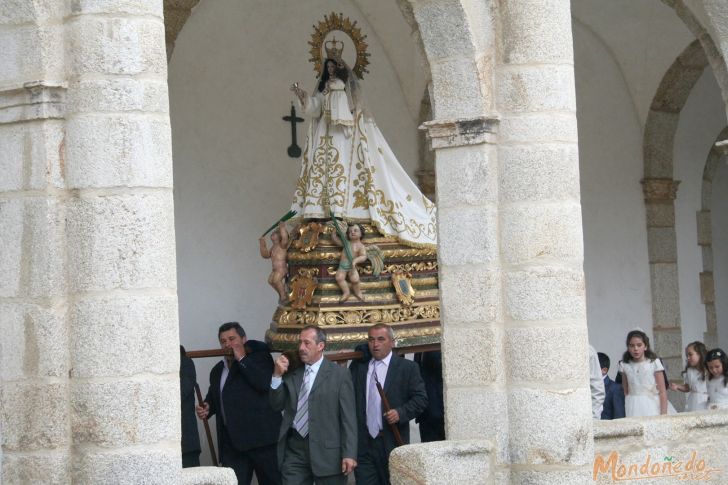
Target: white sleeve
596,383
275,382
311,105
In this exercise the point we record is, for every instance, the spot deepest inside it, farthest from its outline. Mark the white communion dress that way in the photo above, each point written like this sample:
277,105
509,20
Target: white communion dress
348,168
643,398
717,393
698,395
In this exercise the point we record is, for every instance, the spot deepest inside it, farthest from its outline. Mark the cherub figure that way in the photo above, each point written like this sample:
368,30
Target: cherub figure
278,258
354,253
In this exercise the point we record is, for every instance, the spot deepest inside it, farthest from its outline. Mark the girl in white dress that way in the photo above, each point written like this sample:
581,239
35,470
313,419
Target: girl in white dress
643,378
717,364
695,383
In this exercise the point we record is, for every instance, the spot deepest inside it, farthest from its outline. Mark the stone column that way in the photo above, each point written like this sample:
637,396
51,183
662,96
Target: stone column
707,283
541,251
470,284
660,196
124,393
34,357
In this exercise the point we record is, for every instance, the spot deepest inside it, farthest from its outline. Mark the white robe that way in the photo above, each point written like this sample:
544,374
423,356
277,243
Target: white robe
348,168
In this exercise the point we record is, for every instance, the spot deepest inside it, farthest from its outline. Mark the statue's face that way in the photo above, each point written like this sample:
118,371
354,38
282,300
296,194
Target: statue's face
331,68
354,232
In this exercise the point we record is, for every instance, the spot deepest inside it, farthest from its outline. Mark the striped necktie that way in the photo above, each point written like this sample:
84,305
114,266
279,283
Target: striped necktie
300,421
374,404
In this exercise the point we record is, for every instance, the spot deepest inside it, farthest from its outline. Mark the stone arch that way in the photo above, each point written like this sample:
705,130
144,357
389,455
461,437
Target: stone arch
694,18
176,13
459,55
660,190
455,62
705,241
426,162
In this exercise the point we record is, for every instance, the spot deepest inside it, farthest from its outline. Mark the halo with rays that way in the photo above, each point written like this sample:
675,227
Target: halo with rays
333,22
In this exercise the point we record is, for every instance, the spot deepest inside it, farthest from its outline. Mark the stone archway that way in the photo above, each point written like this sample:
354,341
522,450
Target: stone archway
176,13
660,191
694,15
705,241
510,250
510,254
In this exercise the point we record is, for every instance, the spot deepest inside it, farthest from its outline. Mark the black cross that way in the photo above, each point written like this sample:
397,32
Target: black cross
294,151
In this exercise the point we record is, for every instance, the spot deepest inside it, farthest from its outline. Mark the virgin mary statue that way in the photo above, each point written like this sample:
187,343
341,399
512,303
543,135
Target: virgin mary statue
348,168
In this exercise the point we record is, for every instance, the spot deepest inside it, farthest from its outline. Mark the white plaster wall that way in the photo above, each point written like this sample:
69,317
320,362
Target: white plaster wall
701,120
610,153
720,249
622,50
643,36
229,79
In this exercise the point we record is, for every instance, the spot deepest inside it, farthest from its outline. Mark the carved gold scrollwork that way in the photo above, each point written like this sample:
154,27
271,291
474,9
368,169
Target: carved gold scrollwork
404,267
360,316
419,253
402,334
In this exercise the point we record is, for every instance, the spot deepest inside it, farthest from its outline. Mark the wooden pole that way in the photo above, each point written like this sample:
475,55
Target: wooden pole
207,427
333,356
385,405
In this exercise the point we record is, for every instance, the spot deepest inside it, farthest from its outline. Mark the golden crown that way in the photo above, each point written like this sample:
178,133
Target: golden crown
333,22
334,48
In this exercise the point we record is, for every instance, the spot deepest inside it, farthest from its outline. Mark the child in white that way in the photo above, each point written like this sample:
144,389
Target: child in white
717,364
695,384
642,378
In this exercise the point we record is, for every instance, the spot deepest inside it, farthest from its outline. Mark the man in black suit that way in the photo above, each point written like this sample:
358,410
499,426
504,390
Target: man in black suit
317,440
190,436
432,420
405,391
247,426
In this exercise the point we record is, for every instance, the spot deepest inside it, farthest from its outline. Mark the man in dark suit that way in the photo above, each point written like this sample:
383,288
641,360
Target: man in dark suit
432,419
405,391
190,436
317,439
614,400
247,426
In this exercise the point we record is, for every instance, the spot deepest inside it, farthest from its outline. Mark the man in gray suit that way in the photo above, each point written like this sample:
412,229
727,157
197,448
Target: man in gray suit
405,391
318,438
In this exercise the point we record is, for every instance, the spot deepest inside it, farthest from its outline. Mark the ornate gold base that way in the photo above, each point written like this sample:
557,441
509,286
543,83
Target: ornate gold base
404,295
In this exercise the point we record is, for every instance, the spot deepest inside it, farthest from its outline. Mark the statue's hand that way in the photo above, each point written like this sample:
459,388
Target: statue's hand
300,93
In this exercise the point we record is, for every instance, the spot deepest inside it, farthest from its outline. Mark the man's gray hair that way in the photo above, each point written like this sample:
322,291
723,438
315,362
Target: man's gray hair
320,334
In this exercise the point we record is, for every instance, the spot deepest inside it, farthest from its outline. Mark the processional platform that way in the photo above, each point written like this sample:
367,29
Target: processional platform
405,294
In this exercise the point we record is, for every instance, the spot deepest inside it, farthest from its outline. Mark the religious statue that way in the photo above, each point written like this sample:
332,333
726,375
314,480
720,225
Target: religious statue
278,256
354,204
355,252
347,166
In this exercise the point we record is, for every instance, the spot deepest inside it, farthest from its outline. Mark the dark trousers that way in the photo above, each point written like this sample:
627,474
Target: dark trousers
432,429
373,464
191,459
263,460
296,467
